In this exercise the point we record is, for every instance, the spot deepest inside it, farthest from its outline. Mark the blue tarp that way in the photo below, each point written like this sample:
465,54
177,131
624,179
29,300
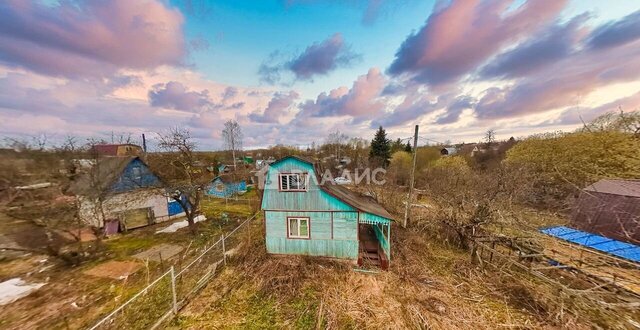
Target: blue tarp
175,208
597,242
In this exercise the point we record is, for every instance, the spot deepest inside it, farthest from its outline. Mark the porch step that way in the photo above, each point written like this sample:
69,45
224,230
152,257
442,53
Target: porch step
372,256
365,260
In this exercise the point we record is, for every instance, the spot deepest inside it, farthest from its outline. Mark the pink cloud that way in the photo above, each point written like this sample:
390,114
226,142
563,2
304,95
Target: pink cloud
277,109
459,37
360,102
175,95
91,38
562,83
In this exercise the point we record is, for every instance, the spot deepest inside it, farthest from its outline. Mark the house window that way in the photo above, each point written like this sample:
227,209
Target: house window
137,173
298,228
293,182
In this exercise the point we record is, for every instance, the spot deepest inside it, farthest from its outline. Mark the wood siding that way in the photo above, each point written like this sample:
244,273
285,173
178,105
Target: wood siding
613,216
342,226
314,199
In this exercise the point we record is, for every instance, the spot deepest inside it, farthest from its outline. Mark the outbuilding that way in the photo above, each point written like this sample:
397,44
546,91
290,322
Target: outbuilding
224,186
449,151
610,207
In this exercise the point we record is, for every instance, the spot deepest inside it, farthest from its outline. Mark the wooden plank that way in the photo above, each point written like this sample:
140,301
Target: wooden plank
603,267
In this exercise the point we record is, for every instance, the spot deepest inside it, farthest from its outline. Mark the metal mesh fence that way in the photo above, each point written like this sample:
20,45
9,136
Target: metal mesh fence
168,293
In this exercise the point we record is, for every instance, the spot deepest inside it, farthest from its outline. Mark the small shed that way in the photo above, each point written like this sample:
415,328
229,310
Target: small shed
224,186
611,208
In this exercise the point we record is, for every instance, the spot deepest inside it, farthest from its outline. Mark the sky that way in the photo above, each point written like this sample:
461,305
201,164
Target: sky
293,71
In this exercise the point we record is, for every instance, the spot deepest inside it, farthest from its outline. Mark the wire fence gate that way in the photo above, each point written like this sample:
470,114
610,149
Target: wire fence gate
166,295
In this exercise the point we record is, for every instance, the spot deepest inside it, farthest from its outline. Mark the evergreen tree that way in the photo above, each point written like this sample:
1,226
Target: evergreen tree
397,146
380,148
408,148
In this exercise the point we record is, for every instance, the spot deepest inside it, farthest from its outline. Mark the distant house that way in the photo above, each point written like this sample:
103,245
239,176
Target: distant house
222,168
304,215
610,208
261,163
126,149
224,186
122,193
449,151
481,149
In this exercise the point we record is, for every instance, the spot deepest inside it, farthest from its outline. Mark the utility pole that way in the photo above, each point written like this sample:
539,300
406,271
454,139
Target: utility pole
413,172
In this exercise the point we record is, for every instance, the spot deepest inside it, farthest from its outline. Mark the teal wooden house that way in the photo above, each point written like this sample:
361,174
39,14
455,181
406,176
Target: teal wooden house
309,216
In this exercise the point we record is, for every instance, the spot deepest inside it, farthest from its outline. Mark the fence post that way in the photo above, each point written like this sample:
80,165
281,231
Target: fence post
173,291
224,251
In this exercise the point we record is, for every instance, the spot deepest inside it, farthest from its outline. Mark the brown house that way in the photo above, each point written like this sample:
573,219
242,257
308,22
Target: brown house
117,149
610,208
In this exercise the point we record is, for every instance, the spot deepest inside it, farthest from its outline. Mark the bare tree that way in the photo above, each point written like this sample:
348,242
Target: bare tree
70,144
40,141
17,144
232,135
490,136
53,219
121,138
336,140
186,181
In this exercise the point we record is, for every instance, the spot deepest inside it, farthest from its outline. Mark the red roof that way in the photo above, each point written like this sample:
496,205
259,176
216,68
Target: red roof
106,149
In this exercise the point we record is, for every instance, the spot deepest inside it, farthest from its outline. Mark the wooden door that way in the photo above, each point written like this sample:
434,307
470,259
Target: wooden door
136,218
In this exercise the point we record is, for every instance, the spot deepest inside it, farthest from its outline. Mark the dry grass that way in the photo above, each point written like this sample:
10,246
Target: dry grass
429,285
51,306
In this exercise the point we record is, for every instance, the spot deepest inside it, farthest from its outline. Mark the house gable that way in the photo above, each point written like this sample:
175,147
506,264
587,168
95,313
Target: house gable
313,199
136,175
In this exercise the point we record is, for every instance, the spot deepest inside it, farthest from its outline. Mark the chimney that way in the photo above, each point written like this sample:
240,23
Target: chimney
144,144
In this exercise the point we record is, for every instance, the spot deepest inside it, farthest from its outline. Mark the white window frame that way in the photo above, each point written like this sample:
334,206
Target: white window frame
302,178
137,173
298,221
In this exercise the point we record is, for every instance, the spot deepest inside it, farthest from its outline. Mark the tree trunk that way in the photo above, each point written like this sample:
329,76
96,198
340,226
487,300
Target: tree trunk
233,155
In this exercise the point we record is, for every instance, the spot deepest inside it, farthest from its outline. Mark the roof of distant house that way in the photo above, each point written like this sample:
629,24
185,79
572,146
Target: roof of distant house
226,179
616,187
361,202
111,149
450,150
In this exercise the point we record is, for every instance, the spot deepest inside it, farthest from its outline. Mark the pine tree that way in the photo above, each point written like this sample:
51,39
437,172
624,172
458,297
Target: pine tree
408,148
380,148
397,146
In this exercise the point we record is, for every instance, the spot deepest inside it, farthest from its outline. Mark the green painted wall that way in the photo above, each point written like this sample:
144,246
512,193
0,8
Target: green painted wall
344,243
313,199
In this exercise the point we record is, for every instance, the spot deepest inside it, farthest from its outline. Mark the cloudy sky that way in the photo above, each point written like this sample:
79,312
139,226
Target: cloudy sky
291,71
